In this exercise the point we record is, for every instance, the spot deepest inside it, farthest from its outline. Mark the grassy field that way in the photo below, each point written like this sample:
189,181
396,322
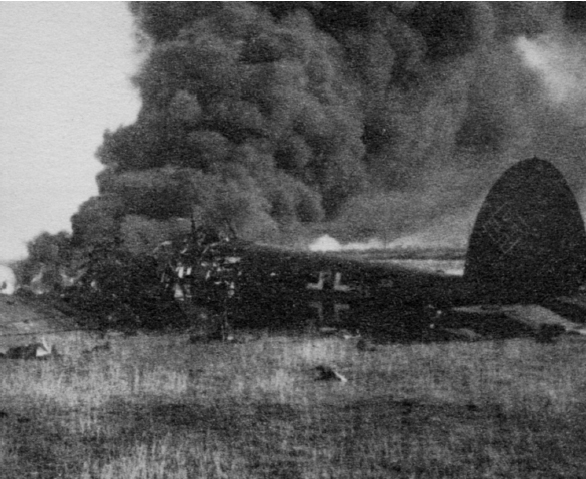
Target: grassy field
158,406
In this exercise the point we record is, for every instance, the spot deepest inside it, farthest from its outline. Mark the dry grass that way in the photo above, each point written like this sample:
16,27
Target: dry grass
160,407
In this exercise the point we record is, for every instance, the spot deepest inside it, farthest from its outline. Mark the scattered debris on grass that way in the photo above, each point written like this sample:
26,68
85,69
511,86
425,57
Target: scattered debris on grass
365,345
327,373
39,350
98,348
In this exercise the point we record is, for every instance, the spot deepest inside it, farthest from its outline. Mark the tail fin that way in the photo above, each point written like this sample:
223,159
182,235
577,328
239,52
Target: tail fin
528,242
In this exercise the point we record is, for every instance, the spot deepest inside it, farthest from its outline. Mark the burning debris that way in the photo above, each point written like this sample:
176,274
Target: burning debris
290,120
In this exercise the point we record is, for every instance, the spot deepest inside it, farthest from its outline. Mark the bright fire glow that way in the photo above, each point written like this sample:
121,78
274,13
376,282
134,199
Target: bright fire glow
423,240
327,243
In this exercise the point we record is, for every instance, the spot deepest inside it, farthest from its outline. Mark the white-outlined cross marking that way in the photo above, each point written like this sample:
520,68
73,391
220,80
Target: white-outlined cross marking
324,281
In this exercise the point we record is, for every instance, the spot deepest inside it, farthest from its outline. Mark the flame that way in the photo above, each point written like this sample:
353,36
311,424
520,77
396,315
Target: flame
326,243
450,232
418,241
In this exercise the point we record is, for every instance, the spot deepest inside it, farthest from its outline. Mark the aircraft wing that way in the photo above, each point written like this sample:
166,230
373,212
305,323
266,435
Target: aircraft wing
534,319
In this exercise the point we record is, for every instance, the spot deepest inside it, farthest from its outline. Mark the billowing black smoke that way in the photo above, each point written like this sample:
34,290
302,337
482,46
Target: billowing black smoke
362,118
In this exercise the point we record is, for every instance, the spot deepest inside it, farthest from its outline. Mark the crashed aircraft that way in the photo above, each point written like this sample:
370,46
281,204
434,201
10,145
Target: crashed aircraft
524,269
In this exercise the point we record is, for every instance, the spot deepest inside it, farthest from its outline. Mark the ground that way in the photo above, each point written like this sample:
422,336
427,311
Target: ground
25,318
161,406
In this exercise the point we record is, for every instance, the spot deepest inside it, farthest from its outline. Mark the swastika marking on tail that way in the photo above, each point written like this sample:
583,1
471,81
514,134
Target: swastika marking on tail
506,228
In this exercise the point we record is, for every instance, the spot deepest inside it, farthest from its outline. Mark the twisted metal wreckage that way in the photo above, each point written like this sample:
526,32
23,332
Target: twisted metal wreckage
201,270
525,271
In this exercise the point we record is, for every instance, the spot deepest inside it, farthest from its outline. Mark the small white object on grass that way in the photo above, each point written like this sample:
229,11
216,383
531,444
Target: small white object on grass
327,373
43,349
39,350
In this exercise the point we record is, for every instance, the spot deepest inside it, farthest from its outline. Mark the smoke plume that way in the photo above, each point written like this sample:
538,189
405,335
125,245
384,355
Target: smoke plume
361,119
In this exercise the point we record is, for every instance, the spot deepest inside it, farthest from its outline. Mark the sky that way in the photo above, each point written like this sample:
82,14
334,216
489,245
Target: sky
65,78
